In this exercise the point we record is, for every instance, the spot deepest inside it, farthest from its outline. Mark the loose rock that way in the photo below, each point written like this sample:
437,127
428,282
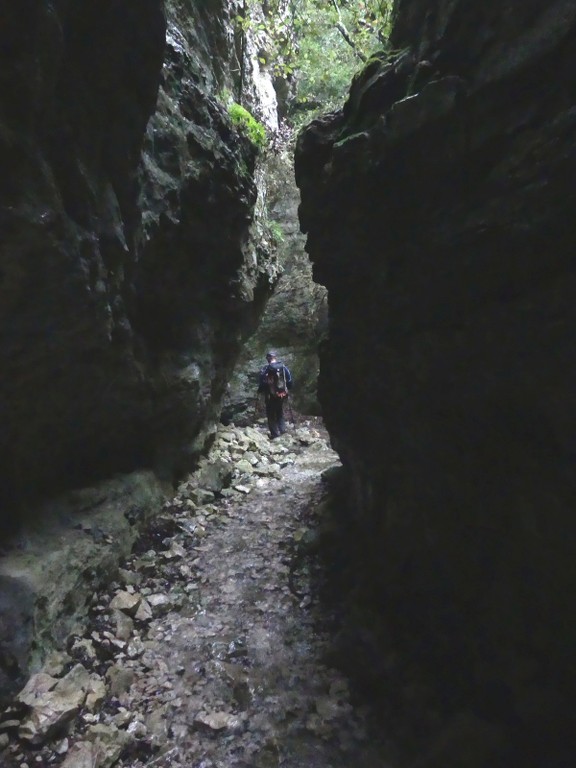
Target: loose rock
213,662
53,703
126,602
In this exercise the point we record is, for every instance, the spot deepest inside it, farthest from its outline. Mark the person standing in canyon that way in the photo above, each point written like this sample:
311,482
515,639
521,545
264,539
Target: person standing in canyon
275,382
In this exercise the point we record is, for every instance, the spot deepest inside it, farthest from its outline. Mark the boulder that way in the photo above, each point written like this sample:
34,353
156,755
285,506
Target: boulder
53,703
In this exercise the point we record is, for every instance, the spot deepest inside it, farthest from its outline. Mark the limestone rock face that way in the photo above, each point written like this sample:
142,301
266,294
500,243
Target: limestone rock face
295,319
130,273
48,577
126,211
438,206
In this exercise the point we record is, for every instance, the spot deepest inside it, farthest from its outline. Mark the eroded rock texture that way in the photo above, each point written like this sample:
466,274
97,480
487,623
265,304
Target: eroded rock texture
438,207
295,318
128,273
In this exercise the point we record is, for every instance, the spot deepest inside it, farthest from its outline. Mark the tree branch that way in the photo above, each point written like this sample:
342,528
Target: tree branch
345,34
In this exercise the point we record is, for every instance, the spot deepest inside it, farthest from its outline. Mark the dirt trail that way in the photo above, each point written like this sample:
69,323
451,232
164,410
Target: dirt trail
209,658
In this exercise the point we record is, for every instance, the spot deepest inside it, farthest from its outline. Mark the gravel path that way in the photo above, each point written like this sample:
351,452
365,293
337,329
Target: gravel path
212,652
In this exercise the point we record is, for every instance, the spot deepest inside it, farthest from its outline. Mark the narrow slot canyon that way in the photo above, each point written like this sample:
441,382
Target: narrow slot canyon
286,380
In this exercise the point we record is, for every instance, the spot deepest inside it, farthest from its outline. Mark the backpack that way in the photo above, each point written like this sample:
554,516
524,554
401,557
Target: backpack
276,380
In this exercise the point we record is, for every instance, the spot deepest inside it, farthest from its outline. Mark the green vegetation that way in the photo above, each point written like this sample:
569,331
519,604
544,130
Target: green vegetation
249,126
336,40
316,46
276,231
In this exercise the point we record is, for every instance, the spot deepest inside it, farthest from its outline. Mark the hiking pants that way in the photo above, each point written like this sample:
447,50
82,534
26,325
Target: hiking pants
275,414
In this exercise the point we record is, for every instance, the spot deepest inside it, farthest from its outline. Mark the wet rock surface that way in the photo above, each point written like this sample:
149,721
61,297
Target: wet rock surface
212,647
128,211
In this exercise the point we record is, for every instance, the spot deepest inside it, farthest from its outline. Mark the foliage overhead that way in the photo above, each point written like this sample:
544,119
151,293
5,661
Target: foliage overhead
317,45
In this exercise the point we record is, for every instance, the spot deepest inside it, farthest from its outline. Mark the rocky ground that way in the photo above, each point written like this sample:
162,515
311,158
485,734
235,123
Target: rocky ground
212,649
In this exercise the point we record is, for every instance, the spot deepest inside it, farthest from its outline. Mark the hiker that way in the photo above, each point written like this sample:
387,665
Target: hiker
275,381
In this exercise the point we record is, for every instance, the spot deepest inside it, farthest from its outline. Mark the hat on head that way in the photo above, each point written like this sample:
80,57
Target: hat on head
271,353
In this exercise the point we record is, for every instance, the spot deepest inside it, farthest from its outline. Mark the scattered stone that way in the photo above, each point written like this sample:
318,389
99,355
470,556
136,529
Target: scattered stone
137,729
133,578
56,662
122,718
215,475
135,648
267,470
9,725
109,741
217,721
177,549
213,640
126,602
96,693
124,624
83,650
82,755
244,467
119,679
36,688
160,604
157,727
144,612
52,705
201,496
62,747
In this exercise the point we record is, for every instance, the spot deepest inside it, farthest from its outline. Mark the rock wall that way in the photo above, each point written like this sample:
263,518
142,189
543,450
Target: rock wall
295,319
126,251
438,206
130,273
